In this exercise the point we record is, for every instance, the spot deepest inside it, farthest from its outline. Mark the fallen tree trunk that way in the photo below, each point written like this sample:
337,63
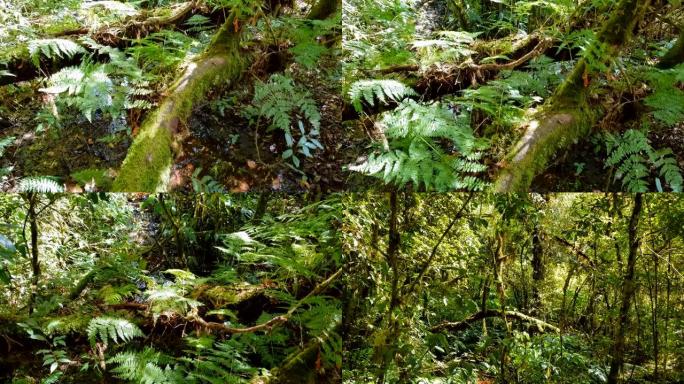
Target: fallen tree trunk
147,166
443,80
567,116
541,325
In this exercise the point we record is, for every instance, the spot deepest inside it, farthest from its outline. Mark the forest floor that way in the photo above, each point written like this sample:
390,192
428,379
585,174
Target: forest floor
220,142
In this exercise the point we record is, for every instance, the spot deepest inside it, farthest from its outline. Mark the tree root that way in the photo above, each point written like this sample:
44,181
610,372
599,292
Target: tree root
541,325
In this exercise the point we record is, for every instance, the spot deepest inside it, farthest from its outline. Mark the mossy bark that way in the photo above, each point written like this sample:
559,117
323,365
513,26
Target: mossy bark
323,9
147,166
567,116
675,55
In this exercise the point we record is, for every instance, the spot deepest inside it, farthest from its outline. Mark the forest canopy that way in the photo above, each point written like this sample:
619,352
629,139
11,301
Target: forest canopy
207,288
484,288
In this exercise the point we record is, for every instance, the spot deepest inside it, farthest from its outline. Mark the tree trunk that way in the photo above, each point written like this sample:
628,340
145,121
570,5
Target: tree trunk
385,350
537,269
324,9
35,264
499,259
147,166
568,115
675,55
628,289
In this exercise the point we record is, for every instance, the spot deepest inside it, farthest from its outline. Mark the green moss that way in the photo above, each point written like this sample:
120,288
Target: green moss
531,155
147,166
65,24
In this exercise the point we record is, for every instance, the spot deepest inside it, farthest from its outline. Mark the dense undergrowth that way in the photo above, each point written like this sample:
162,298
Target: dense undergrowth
208,288
517,83
492,288
80,80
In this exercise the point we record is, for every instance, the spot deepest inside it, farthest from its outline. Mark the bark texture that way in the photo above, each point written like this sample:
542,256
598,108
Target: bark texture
675,55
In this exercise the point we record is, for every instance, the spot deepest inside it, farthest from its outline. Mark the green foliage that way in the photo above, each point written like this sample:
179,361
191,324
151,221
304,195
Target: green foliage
305,35
39,184
417,154
282,113
451,47
542,357
142,367
108,329
169,301
633,155
205,184
52,48
377,34
383,90
222,362
667,99
5,143
115,295
160,51
92,177
198,23
7,253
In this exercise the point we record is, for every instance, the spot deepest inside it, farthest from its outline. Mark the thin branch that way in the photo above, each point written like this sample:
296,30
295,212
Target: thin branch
464,324
574,249
427,263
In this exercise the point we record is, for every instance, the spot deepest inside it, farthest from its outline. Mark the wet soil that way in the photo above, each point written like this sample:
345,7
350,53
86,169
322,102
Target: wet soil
57,151
243,158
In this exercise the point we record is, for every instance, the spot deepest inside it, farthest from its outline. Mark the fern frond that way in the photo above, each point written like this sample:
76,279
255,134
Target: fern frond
51,48
417,154
112,329
143,367
39,185
383,90
633,156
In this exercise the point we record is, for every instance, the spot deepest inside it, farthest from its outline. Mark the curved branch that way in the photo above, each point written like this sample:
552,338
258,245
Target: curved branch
465,323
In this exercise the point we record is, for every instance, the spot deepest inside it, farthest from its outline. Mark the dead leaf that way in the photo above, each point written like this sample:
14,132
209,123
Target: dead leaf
242,186
251,164
276,184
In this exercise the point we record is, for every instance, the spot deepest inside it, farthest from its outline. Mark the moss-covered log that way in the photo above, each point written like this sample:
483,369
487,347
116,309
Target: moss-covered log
147,166
675,55
567,116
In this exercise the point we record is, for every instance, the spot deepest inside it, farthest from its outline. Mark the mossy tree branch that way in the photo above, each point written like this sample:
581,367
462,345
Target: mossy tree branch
541,325
675,55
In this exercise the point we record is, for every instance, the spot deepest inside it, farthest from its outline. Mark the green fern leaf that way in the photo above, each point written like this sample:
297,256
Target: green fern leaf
112,329
39,185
